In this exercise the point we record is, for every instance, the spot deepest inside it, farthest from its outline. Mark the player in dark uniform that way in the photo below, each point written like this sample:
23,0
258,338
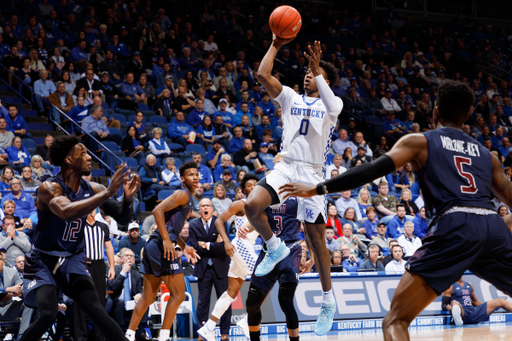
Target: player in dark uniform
57,259
461,300
283,222
159,261
457,177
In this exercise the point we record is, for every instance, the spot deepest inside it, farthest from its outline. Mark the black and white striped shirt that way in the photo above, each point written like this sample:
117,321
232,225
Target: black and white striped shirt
95,238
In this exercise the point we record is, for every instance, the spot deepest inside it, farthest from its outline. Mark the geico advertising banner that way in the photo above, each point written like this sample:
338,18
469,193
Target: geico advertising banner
358,295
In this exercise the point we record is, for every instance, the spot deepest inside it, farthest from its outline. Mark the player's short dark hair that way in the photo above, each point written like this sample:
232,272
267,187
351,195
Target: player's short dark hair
332,72
187,165
61,147
454,100
246,178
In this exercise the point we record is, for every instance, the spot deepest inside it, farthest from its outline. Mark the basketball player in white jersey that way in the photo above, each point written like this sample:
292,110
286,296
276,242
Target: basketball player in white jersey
243,257
308,122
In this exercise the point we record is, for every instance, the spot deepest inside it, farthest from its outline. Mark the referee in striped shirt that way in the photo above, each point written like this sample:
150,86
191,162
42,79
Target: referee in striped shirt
97,240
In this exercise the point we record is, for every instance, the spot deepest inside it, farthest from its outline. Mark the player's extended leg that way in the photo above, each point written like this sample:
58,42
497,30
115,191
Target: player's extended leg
498,303
83,292
412,295
151,285
285,296
255,299
176,286
458,313
47,310
261,197
316,237
222,304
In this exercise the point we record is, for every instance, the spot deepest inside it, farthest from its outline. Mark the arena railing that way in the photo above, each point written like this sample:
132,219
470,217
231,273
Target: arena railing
21,85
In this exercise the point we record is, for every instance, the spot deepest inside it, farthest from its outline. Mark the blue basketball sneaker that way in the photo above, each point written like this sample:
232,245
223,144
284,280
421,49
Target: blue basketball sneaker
324,321
272,257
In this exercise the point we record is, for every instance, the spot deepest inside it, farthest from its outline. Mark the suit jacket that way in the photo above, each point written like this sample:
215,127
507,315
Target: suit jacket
217,253
11,277
116,285
96,86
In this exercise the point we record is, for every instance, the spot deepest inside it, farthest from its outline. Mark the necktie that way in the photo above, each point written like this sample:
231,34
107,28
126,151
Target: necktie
127,290
207,228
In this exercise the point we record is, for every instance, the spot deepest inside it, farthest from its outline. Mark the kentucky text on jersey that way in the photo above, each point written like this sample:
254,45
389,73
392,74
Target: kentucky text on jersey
458,146
307,112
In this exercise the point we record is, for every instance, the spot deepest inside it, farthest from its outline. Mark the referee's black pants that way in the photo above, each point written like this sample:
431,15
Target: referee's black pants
98,271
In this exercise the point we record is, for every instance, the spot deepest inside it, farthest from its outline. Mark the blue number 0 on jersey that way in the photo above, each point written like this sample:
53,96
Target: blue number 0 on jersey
304,127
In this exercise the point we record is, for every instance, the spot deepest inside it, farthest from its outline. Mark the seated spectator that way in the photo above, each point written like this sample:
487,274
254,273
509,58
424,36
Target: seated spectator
91,82
244,110
389,104
6,177
357,247
28,183
410,207
6,137
213,157
163,103
408,241
196,198
131,90
108,88
140,125
132,146
15,243
333,221
420,223
266,105
133,241
18,154
336,165
350,217
409,173
221,132
62,100
205,130
230,185
79,111
393,127
381,240
330,242
180,132
382,147
249,131
237,141
43,88
38,171
397,224
342,143
267,138
220,201
227,117
205,175
148,89
336,259
370,224
183,102
170,174
349,261
97,128
247,159
346,158
196,116
16,123
125,286
150,177
397,264
372,263
398,180
185,233
385,204
266,155
386,252
157,146
344,202
225,164
80,91
364,200
265,124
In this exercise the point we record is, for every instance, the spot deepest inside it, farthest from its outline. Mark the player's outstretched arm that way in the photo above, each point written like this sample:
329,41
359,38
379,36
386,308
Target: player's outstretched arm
235,208
474,299
177,199
411,147
271,84
50,196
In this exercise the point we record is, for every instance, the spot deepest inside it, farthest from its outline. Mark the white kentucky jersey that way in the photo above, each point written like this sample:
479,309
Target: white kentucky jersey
307,127
239,222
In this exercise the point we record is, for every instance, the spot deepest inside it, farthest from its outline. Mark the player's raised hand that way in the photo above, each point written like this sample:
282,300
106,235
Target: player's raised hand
297,189
315,52
131,187
191,254
118,179
279,42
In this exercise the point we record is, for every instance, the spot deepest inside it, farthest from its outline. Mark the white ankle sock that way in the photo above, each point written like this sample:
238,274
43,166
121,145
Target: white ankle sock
328,297
164,334
130,335
210,324
273,242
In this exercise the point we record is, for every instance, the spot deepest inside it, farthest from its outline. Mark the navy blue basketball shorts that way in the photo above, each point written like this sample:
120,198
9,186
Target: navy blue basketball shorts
39,268
286,271
154,263
462,241
473,315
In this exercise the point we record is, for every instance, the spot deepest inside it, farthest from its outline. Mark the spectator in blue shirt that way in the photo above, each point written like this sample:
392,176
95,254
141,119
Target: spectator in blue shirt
150,176
393,127
170,174
213,157
350,261
225,164
205,175
43,88
265,124
266,105
227,117
16,123
80,111
195,117
237,142
78,53
97,128
189,63
266,156
398,180
179,131
420,224
371,223
131,90
244,110
396,226
18,154
25,206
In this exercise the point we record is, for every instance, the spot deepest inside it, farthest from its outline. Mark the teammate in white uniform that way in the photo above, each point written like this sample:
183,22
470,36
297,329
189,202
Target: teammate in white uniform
308,123
241,251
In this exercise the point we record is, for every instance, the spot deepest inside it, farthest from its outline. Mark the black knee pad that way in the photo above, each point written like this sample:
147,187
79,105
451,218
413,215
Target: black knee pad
255,298
285,296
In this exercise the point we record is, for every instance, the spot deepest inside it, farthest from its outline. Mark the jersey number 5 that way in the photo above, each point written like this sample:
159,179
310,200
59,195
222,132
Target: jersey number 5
459,161
71,230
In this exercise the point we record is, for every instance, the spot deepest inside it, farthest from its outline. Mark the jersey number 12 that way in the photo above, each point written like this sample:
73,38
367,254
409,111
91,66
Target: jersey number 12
459,161
71,231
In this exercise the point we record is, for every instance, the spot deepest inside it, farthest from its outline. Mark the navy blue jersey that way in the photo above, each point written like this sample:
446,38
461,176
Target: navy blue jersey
55,236
458,172
283,220
175,219
462,294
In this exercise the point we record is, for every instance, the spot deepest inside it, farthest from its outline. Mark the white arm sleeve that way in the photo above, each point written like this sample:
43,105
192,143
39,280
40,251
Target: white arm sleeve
332,103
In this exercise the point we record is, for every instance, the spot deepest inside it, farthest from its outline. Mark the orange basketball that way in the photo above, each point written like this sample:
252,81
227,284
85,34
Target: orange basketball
285,22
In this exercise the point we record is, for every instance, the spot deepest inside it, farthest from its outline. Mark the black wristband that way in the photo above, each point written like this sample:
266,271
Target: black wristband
358,176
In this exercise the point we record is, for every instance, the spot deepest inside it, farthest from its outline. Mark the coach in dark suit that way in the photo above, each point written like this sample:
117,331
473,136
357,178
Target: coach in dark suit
126,286
212,268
